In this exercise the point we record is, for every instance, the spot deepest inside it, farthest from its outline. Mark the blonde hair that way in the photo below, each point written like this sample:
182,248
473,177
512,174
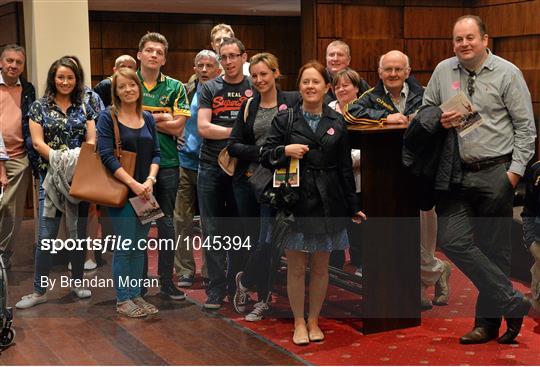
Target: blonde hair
124,58
343,45
221,27
265,57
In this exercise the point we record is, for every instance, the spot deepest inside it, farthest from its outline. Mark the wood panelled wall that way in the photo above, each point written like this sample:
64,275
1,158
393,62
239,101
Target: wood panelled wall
116,33
422,29
11,24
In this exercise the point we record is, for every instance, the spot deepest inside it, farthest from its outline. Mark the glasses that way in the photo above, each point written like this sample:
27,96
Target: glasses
394,70
230,57
470,83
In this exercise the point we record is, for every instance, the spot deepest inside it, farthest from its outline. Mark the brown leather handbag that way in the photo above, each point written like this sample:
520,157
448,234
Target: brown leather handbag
226,162
93,182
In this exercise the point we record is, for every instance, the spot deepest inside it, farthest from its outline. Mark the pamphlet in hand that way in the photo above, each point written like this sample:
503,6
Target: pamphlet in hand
294,174
146,210
470,119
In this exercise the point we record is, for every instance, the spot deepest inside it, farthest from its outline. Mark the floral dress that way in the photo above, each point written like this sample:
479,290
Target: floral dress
60,130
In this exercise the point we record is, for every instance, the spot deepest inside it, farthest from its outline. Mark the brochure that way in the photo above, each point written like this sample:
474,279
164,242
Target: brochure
470,118
146,210
294,174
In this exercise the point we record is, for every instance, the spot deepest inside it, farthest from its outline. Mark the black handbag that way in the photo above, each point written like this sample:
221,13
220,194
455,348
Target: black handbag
260,181
283,197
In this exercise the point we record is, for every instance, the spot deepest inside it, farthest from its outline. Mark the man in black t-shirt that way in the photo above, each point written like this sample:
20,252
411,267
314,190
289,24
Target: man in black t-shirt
220,101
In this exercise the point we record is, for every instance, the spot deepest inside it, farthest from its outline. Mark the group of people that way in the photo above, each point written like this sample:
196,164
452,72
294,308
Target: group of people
180,131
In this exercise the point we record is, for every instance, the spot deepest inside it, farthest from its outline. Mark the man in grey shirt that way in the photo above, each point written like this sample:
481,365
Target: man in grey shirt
474,218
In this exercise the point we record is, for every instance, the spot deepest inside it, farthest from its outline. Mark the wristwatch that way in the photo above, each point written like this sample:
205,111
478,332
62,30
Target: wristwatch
152,178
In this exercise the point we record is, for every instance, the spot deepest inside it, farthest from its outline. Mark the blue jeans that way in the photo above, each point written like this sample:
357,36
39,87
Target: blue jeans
48,229
127,263
165,193
257,270
220,200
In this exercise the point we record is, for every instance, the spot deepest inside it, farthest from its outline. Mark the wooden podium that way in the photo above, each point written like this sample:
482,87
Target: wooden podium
390,238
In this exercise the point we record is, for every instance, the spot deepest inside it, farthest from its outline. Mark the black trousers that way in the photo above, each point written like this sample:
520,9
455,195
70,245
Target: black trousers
474,223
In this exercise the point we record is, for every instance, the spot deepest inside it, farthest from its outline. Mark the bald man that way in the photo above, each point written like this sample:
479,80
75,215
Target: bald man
103,88
396,96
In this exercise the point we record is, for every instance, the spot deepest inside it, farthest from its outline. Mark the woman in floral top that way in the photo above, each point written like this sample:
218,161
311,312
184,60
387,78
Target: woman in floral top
58,121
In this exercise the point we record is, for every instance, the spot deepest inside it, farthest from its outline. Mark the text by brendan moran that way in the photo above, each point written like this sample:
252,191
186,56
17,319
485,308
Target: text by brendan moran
96,282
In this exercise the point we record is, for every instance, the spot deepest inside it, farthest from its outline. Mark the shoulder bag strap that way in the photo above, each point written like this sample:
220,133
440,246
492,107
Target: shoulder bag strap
117,140
246,110
288,140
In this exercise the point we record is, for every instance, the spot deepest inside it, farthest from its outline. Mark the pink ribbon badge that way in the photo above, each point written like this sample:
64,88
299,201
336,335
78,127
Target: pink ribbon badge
282,107
455,85
331,131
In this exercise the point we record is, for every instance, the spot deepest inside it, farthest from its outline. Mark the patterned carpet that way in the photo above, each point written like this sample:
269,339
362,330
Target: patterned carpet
435,342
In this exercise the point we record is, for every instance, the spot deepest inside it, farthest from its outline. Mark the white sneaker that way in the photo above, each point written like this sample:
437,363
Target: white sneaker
258,312
358,272
31,300
90,265
82,292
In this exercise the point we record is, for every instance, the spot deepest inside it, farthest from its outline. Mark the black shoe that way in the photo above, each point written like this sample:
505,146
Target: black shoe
479,335
171,292
513,324
214,302
185,280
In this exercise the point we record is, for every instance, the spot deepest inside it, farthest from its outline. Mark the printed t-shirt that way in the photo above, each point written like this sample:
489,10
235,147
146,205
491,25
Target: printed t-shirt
225,100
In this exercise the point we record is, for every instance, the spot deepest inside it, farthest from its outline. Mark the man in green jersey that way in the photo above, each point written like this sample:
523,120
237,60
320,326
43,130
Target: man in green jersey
166,99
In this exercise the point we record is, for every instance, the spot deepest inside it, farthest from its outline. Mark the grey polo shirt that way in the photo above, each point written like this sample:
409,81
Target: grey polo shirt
503,100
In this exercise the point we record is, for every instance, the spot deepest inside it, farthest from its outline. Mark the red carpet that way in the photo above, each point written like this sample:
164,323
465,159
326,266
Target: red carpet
435,342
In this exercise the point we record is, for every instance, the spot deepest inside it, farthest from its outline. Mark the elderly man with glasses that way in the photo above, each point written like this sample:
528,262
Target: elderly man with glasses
475,216
396,96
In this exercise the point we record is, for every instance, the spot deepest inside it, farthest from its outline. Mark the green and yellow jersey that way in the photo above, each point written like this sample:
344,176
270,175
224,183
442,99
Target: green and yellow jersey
168,95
